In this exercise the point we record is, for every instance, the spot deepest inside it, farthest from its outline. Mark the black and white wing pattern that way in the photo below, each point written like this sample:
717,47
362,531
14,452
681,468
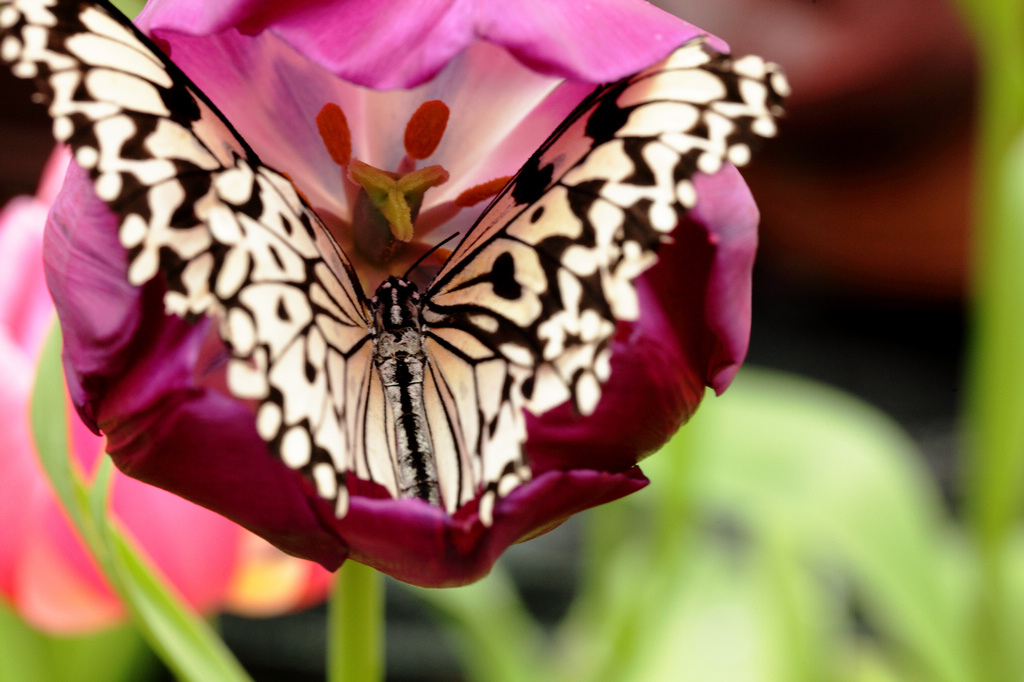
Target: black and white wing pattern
530,299
232,238
520,317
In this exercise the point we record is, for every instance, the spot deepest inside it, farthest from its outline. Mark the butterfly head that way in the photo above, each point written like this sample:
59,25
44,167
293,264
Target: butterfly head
396,305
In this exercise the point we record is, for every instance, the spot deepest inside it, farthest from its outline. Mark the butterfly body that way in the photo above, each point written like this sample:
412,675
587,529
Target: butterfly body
400,360
421,393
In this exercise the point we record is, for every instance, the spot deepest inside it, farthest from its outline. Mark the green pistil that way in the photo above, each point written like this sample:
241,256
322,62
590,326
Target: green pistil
396,198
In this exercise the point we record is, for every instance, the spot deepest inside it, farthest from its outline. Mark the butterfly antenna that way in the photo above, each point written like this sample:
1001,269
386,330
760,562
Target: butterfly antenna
428,253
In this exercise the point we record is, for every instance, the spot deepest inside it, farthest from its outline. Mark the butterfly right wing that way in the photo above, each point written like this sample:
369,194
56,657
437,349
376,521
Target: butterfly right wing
233,239
526,308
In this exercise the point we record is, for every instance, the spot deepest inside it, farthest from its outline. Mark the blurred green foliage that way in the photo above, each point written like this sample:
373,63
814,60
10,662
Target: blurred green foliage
27,655
790,533
184,641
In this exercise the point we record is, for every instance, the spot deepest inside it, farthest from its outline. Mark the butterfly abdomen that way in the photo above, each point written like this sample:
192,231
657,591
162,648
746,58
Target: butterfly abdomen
400,362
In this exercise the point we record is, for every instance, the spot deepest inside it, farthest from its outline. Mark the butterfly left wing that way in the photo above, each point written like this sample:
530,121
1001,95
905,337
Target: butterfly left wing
233,239
529,301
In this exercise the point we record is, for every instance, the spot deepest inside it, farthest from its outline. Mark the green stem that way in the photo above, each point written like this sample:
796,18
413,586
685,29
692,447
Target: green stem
355,631
181,637
994,429
995,381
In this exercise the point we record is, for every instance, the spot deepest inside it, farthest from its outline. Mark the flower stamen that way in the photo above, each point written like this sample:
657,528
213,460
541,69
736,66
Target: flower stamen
397,198
334,131
386,204
474,195
425,129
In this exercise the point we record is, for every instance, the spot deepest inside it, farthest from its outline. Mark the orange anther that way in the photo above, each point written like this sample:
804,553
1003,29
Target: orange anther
474,195
425,129
334,132
439,256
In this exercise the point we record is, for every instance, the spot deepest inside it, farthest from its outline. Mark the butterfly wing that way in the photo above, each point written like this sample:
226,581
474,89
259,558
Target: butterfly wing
232,237
525,309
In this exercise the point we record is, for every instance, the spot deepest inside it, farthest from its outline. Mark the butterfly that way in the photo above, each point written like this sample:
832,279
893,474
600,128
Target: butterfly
421,392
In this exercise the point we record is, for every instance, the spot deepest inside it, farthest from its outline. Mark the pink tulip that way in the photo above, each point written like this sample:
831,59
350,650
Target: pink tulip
45,572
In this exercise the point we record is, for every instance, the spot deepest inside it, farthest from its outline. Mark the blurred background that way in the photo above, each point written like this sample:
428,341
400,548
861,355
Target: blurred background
860,282
865,200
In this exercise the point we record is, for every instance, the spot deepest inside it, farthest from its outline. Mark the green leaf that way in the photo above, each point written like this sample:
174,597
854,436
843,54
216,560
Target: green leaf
995,385
993,499
658,579
491,628
130,8
727,620
866,663
118,653
183,639
109,655
23,650
49,426
844,486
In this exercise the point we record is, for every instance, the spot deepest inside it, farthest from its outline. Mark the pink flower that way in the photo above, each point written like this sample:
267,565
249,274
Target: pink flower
146,379
44,570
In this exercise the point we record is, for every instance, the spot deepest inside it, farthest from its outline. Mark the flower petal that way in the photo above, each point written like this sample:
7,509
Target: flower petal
202,445
269,582
419,544
599,41
86,272
18,468
391,44
704,279
59,588
26,314
693,332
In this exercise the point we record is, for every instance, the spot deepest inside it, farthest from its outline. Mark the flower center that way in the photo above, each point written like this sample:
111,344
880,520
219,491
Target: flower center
386,204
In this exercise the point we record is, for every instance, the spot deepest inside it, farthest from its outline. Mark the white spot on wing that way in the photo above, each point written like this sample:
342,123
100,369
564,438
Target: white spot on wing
486,509
248,379
268,421
10,48
326,482
296,448
125,91
97,50
8,17
696,85
588,393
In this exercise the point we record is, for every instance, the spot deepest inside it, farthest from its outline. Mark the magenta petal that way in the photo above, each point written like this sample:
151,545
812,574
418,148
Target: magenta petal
595,42
693,332
25,309
383,44
653,389
421,545
703,280
203,445
86,272
391,44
